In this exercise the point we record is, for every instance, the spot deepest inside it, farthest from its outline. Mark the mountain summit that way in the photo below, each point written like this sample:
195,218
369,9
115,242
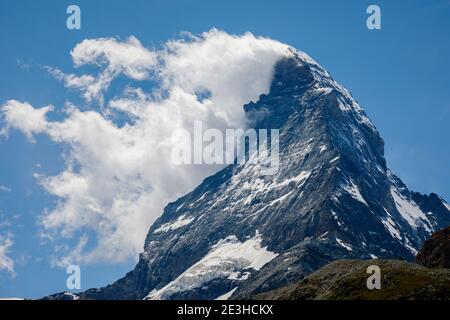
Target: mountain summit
241,233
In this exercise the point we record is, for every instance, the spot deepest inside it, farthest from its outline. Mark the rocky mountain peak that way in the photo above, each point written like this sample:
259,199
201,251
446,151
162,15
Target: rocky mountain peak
240,233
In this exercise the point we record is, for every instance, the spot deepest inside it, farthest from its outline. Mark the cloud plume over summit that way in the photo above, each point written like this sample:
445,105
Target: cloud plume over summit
118,176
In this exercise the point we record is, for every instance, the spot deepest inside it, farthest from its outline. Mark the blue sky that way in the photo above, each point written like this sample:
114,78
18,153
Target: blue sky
399,74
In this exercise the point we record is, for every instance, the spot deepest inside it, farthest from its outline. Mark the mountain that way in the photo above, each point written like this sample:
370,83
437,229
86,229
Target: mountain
241,233
435,253
346,280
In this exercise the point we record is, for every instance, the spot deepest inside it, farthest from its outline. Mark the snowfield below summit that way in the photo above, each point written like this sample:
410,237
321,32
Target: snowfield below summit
226,258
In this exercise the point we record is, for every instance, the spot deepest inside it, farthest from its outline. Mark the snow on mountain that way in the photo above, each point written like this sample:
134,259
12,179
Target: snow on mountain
411,212
181,221
241,232
392,227
353,189
343,244
226,259
227,295
446,205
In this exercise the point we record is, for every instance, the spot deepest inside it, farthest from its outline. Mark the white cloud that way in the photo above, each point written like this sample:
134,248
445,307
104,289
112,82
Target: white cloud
6,263
4,189
24,116
129,58
119,178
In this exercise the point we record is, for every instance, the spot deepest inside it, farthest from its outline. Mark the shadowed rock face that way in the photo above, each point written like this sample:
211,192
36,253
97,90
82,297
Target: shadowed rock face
436,251
332,198
346,280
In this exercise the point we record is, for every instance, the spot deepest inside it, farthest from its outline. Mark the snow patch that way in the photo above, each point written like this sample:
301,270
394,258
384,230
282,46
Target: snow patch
227,295
225,258
179,207
239,275
411,248
353,190
343,244
337,219
323,235
280,198
199,199
180,222
335,159
411,212
72,295
301,177
322,90
446,205
392,228
343,106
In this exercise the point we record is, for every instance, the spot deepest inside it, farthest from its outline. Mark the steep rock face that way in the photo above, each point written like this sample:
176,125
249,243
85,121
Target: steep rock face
435,253
240,232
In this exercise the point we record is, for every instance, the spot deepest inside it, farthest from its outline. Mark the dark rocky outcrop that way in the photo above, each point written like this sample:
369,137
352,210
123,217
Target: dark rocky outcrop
436,251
